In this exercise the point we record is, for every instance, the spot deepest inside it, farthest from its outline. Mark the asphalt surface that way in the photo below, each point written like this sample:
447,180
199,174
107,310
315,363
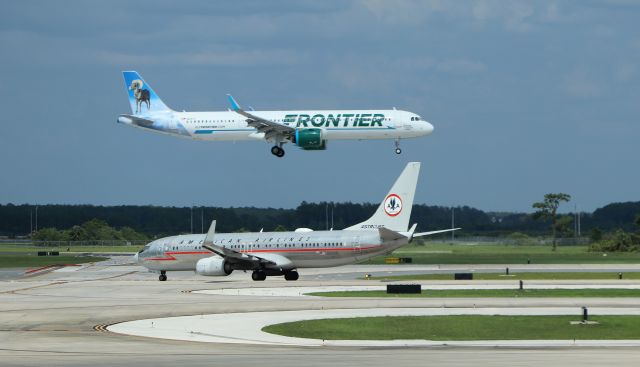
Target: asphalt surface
59,318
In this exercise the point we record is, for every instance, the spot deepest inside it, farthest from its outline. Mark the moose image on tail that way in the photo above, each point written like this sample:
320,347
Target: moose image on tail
141,95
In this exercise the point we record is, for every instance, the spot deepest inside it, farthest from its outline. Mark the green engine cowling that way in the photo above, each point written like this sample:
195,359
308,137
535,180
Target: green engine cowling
310,139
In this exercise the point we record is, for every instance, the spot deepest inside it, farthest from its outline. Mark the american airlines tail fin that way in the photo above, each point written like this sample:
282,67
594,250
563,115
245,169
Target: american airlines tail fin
141,97
395,210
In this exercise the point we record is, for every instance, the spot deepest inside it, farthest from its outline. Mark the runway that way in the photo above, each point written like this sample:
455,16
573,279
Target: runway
58,319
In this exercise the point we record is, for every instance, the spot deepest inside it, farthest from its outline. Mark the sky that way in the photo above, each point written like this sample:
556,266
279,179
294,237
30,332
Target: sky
527,97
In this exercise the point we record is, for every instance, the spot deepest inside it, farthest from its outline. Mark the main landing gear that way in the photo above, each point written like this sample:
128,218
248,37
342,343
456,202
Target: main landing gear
291,275
163,276
277,151
398,150
260,275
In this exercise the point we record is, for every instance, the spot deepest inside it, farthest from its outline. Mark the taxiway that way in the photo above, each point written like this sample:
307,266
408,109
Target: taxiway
61,317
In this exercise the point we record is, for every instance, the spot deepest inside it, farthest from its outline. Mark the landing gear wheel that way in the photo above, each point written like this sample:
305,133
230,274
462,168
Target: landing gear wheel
163,276
291,275
258,275
398,150
277,151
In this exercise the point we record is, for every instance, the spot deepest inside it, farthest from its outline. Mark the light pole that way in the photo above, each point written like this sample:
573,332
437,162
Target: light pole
326,215
453,222
332,207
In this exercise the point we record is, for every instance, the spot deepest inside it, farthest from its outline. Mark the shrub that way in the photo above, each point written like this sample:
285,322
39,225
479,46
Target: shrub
618,241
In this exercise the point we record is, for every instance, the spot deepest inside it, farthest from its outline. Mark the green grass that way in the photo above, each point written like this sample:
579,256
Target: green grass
462,328
28,261
443,253
518,276
62,249
511,293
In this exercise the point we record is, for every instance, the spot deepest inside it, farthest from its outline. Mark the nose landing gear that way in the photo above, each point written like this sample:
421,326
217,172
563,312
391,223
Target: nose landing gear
398,150
163,276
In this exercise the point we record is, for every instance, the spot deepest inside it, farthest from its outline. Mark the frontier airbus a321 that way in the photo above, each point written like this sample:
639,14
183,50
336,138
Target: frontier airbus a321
282,253
308,129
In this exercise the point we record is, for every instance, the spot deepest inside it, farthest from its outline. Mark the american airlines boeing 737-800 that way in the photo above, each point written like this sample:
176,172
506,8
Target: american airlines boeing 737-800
308,129
282,253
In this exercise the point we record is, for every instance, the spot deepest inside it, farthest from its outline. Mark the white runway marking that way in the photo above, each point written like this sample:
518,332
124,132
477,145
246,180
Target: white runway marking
246,328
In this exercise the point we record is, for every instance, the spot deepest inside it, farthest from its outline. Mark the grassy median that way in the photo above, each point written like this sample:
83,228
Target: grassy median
10,248
32,261
519,276
509,293
462,328
466,253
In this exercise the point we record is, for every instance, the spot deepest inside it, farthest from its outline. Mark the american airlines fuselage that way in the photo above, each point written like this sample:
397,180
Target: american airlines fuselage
282,253
290,250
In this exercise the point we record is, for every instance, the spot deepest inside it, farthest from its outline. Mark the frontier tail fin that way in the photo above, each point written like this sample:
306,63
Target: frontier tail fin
141,97
395,210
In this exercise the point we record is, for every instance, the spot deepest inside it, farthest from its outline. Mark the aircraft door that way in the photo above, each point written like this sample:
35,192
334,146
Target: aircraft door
357,247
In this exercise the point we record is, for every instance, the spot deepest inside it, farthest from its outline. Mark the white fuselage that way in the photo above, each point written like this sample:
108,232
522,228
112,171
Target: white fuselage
335,124
290,250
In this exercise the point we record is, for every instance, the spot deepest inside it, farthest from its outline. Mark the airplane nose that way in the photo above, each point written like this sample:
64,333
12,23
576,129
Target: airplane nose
428,128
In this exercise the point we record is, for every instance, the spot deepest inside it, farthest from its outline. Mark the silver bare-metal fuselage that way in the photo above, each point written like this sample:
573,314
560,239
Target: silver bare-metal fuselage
313,249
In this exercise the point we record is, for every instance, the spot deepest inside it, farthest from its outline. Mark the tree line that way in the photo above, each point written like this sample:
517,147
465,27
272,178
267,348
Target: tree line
156,221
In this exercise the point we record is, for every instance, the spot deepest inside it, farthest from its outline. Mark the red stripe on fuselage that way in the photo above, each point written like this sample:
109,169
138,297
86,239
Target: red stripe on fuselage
319,249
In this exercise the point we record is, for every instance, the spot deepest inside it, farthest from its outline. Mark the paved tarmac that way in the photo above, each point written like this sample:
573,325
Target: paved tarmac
246,327
58,319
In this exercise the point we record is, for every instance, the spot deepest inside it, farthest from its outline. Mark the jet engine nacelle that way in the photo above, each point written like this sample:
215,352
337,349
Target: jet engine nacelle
310,139
213,266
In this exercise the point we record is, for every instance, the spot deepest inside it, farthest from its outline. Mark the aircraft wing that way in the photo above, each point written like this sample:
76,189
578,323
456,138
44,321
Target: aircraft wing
228,253
435,232
268,127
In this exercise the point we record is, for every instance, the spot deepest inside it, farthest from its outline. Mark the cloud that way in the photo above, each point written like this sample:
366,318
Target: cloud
221,57
579,83
460,66
625,72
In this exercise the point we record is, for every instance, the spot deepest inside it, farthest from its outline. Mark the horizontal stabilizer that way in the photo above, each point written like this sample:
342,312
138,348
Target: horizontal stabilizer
134,120
389,235
421,234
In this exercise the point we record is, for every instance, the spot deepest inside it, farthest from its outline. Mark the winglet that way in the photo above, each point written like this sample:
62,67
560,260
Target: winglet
233,102
412,230
212,231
